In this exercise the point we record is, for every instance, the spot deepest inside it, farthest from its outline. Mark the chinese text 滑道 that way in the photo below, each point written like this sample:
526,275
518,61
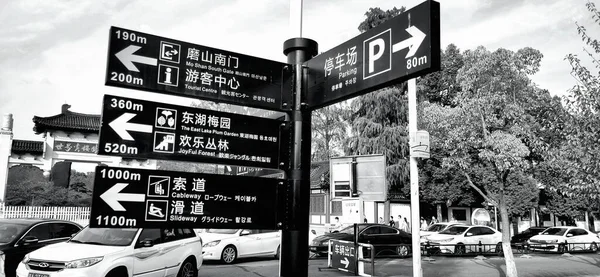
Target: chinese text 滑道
178,206
340,60
216,58
205,120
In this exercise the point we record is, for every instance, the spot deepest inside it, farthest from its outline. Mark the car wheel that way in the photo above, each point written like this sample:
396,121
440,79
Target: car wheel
460,249
229,254
402,251
188,269
118,272
594,247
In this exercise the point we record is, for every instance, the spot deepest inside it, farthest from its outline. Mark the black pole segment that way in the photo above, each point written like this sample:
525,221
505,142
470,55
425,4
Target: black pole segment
294,238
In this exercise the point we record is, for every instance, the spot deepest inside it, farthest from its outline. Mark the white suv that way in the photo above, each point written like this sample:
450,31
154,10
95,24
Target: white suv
108,252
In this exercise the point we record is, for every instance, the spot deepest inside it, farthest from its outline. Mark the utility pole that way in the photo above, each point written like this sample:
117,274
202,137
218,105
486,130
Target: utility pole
414,180
294,239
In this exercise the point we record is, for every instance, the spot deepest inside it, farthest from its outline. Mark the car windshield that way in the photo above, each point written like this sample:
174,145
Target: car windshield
105,236
222,231
454,230
350,229
436,227
555,231
9,231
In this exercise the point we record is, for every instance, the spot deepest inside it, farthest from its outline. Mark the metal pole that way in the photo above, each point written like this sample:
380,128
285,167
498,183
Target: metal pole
294,238
414,180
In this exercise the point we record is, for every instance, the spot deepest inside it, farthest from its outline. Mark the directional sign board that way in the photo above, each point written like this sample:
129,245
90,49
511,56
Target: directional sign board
146,62
141,198
135,128
343,255
401,48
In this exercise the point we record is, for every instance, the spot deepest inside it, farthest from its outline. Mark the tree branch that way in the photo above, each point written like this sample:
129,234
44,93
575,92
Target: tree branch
493,202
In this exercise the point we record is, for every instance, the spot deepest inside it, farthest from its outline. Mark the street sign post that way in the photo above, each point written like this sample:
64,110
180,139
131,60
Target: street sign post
147,62
401,48
135,128
342,255
141,198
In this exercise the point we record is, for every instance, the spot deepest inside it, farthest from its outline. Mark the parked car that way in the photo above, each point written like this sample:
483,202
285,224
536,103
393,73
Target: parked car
436,228
524,236
461,239
21,236
564,239
112,252
227,245
385,239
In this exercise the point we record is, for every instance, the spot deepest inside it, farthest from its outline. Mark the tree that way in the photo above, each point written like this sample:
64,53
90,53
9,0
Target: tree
379,120
488,138
582,146
329,129
441,86
438,185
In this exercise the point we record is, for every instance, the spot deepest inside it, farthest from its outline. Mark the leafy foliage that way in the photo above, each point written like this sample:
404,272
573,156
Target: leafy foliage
379,120
329,129
27,185
581,151
490,135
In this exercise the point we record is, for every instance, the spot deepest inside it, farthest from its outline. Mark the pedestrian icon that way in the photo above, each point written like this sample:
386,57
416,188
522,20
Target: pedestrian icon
166,118
169,52
164,142
168,75
158,186
156,210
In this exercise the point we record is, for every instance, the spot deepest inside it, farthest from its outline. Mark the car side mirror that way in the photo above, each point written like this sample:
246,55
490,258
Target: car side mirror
147,243
245,233
469,234
569,235
30,240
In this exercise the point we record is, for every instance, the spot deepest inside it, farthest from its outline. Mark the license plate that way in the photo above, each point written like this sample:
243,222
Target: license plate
37,275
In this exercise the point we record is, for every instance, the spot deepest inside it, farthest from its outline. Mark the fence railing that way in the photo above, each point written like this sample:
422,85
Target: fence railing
79,215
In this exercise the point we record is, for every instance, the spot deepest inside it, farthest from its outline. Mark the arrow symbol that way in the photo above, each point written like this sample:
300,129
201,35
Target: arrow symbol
113,196
127,57
411,43
121,126
345,262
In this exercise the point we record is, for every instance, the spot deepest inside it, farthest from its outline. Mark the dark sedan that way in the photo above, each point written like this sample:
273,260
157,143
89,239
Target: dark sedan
386,240
526,235
18,237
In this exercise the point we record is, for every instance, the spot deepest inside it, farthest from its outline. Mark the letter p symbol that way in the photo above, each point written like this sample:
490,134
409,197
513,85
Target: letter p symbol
377,54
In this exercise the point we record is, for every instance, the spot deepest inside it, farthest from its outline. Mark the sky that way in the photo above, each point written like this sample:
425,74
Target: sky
53,52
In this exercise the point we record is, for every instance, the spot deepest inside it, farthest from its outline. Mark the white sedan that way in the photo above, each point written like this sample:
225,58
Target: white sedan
461,239
564,239
434,229
227,245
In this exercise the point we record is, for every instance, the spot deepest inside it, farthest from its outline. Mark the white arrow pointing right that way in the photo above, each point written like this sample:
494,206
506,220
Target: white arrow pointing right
127,57
121,126
411,43
345,262
113,196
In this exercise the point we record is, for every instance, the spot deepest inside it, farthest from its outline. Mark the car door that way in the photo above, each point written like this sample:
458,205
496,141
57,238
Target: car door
572,237
270,240
174,249
369,235
62,231
41,232
148,261
471,238
249,243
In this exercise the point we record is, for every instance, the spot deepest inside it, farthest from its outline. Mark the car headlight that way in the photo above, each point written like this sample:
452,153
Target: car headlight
212,243
83,262
551,241
25,259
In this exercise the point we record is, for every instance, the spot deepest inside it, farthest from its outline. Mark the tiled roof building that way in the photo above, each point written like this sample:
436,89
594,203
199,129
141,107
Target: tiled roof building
67,121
